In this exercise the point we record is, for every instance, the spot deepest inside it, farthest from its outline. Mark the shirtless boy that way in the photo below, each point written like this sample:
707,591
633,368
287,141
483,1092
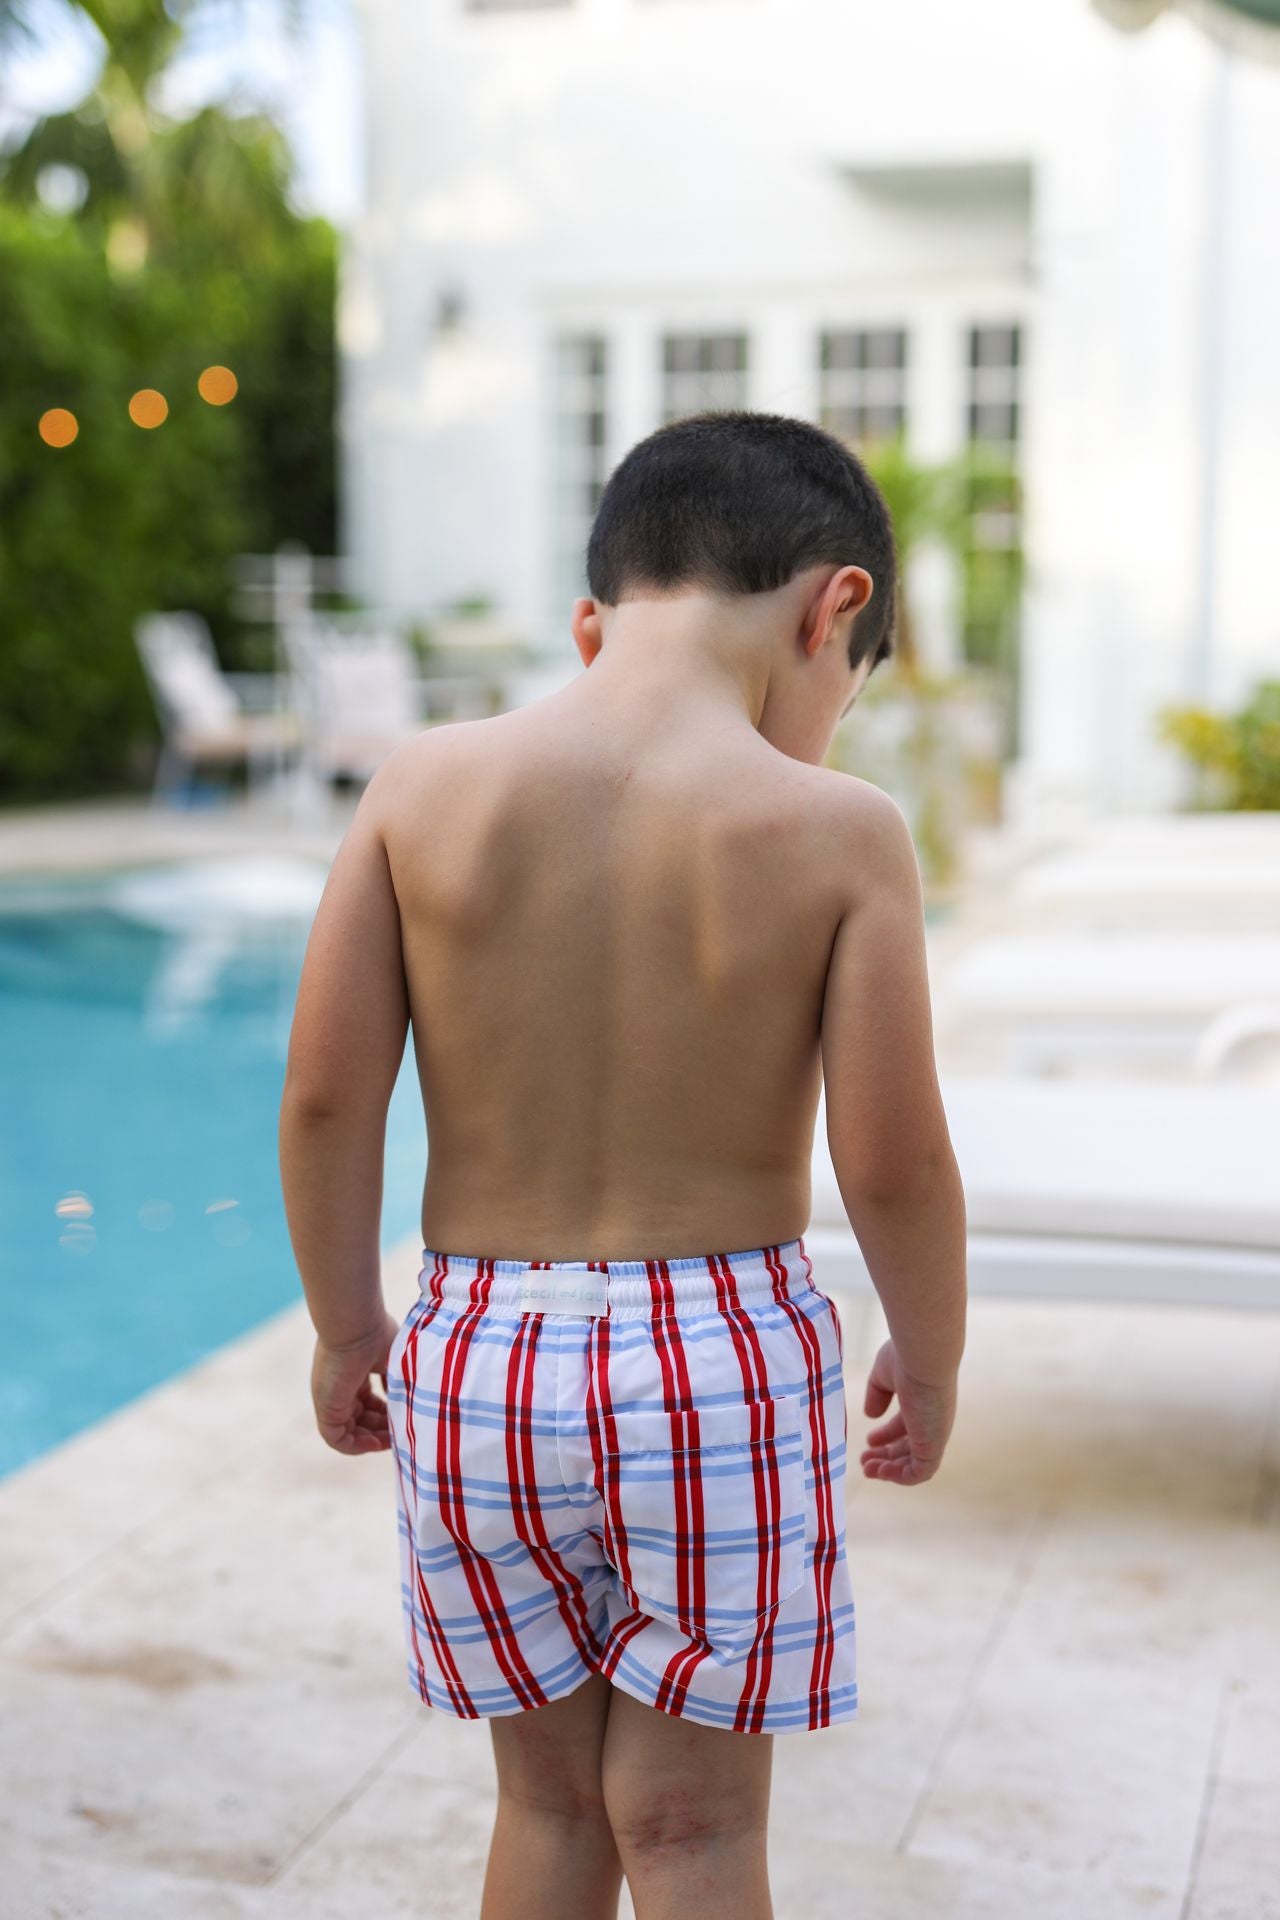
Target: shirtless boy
635,927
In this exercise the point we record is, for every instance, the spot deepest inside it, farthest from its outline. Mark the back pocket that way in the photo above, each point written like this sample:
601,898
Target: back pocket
707,1514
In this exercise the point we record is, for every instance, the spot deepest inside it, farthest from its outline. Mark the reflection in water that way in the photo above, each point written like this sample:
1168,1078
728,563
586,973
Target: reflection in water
209,909
147,1018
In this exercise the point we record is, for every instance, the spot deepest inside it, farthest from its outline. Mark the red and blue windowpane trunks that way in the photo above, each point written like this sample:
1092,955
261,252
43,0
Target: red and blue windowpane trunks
629,1467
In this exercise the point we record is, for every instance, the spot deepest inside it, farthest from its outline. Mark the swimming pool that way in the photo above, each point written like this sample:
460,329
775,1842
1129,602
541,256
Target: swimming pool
144,1024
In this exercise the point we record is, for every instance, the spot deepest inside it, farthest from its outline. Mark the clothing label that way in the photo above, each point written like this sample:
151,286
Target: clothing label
547,1291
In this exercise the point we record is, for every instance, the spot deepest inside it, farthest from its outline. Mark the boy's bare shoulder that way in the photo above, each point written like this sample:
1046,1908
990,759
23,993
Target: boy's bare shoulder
872,834
420,758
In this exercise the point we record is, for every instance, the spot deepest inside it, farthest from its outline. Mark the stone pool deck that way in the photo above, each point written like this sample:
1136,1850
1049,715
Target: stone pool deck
1069,1652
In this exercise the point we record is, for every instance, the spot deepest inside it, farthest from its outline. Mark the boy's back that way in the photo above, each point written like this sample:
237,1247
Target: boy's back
616,945
635,928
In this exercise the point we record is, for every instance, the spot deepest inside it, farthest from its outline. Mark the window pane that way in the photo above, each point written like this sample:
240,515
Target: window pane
862,381
579,431
702,372
512,6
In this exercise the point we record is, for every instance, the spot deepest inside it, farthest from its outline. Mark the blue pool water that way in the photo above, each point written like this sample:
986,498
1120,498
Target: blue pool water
144,1023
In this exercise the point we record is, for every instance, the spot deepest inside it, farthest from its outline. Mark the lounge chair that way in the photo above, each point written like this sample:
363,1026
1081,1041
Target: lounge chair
1117,1191
1037,1000
204,712
360,696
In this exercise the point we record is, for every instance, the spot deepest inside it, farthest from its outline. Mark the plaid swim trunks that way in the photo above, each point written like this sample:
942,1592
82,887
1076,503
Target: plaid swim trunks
626,1467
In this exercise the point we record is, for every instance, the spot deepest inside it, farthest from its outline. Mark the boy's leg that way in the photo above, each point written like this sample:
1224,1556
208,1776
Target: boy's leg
689,1807
553,1853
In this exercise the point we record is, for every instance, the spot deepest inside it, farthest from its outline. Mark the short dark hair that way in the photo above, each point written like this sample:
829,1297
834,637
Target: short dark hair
735,502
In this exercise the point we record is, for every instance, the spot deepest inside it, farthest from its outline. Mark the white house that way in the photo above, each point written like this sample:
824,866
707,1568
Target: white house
996,218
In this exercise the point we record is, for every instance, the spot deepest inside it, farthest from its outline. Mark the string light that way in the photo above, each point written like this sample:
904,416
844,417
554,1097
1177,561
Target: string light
58,428
148,408
217,385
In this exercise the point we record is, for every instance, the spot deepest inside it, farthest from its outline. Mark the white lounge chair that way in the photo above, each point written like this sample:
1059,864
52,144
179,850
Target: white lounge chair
1126,1191
361,697
202,710
1038,999
1185,871
1121,975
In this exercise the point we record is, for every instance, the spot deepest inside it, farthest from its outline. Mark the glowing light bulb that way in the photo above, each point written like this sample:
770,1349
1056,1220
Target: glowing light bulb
147,408
58,428
217,385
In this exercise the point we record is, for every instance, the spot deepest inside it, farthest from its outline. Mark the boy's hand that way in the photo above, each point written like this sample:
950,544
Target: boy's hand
351,1416
909,1447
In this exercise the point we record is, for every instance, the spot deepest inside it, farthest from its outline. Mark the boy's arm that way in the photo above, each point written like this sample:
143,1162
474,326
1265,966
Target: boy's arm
346,1044
890,1144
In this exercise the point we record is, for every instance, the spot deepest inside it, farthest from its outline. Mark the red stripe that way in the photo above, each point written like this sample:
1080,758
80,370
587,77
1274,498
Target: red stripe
480,1575
458,1694
409,1368
409,1514
687,1473
603,1433
690,1512
825,1545
522,1475
768,1495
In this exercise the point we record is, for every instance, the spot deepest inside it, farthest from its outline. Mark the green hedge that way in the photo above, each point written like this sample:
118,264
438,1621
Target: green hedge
127,520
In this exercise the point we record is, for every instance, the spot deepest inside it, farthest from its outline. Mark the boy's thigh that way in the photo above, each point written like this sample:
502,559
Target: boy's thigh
669,1780
551,1756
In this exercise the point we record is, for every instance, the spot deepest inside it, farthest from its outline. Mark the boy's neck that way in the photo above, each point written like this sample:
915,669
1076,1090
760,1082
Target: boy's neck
689,654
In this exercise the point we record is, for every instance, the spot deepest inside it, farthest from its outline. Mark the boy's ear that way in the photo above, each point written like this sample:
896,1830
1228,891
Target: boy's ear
588,633
847,591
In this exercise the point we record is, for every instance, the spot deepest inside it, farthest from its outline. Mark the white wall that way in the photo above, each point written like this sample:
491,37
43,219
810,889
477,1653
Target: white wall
643,165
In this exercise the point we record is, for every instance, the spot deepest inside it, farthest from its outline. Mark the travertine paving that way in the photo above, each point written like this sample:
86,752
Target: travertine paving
1069,1652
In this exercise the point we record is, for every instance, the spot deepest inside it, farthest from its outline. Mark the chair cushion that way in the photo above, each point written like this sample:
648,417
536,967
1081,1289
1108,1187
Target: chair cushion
1141,1161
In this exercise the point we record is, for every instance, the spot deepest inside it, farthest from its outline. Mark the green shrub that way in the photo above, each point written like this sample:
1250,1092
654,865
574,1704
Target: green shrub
127,520
1239,753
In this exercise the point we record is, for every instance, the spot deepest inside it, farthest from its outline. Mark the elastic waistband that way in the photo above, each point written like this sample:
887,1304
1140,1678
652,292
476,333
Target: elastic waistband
618,1289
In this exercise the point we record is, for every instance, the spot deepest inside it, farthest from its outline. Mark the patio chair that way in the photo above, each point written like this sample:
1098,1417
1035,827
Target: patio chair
202,710
1178,871
361,697
1049,997
1127,1191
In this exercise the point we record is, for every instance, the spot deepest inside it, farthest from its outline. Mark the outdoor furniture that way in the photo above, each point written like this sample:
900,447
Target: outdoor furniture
1045,997
455,696
205,716
1115,975
1127,1191
359,695
1180,871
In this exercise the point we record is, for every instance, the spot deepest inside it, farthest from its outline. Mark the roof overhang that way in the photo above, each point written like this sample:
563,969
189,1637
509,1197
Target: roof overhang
941,179
1250,27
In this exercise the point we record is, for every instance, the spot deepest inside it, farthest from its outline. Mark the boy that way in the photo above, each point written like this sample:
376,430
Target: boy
635,926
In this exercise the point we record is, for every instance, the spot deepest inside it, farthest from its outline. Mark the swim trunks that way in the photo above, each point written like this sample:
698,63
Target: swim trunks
626,1467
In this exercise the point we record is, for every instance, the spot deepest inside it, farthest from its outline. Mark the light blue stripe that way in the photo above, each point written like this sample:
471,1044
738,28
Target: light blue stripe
580,1494
500,1698
474,1407
496,1328
444,1558
736,1540
778,1716
790,1634
466,1629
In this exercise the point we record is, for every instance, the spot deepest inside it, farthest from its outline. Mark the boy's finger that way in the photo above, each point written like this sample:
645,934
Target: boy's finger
891,1430
903,1473
876,1398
